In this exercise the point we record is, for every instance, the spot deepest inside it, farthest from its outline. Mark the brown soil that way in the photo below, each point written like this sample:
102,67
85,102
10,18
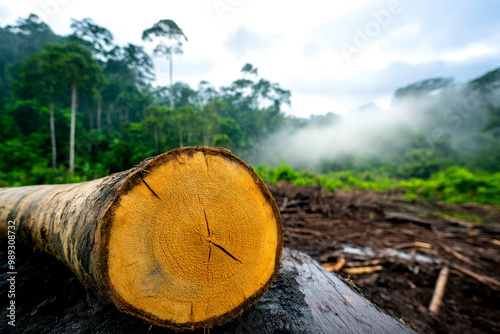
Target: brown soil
412,241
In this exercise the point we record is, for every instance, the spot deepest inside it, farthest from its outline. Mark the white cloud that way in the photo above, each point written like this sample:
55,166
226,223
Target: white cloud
470,51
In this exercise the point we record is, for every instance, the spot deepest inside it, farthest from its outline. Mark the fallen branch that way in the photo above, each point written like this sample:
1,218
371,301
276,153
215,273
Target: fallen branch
350,236
437,297
491,282
298,230
456,220
413,244
405,217
363,270
459,256
423,245
335,266
374,262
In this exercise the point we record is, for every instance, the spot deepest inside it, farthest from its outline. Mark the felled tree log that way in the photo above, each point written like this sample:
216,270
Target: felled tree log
188,239
303,298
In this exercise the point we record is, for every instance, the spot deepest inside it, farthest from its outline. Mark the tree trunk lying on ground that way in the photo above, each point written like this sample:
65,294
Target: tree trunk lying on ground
303,298
188,239
181,235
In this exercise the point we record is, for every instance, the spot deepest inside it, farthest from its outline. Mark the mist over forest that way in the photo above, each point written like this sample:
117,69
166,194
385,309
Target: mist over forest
430,125
122,117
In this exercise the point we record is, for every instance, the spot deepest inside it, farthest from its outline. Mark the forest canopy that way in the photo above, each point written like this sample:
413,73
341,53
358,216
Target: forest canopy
122,117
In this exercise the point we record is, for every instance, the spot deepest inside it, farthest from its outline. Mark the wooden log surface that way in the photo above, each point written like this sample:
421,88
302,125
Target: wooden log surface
304,298
188,239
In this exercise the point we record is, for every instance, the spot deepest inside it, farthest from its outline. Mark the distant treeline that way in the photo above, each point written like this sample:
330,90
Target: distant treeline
122,118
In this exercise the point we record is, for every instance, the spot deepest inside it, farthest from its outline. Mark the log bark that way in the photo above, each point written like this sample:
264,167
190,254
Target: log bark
188,239
304,298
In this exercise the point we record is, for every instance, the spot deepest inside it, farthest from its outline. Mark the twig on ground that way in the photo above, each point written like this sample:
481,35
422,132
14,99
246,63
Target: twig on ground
491,282
362,270
437,297
459,256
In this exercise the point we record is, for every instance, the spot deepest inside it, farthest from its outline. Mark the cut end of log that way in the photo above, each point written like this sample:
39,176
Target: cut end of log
192,239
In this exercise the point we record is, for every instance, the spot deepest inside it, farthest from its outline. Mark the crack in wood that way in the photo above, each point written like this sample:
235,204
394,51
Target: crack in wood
206,220
132,263
210,243
147,185
206,161
225,251
208,262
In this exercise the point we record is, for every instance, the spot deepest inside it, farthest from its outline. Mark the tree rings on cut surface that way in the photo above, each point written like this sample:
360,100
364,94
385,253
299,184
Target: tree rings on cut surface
192,239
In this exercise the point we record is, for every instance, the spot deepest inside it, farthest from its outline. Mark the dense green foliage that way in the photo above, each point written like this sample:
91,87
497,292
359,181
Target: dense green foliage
454,184
121,118
447,148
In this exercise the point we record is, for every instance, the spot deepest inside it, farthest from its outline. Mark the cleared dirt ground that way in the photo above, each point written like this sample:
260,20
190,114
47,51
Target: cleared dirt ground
407,243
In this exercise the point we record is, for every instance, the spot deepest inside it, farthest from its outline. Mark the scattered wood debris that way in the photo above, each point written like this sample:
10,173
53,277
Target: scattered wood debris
405,244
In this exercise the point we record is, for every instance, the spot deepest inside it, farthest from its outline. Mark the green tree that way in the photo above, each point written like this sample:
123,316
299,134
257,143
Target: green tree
249,69
158,118
139,63
44,71
187,121
422,88
81,72
17,42
97,38
170,38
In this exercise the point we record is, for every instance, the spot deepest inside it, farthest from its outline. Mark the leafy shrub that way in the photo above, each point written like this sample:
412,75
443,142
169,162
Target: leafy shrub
456,185
453,185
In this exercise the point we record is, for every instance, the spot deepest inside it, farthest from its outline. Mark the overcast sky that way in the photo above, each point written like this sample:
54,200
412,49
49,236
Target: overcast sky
333,55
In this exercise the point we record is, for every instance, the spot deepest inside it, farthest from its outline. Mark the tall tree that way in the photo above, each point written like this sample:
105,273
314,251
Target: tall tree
139,63
170,38
99,39
81,72
17,42
100,42
248,69
44,71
